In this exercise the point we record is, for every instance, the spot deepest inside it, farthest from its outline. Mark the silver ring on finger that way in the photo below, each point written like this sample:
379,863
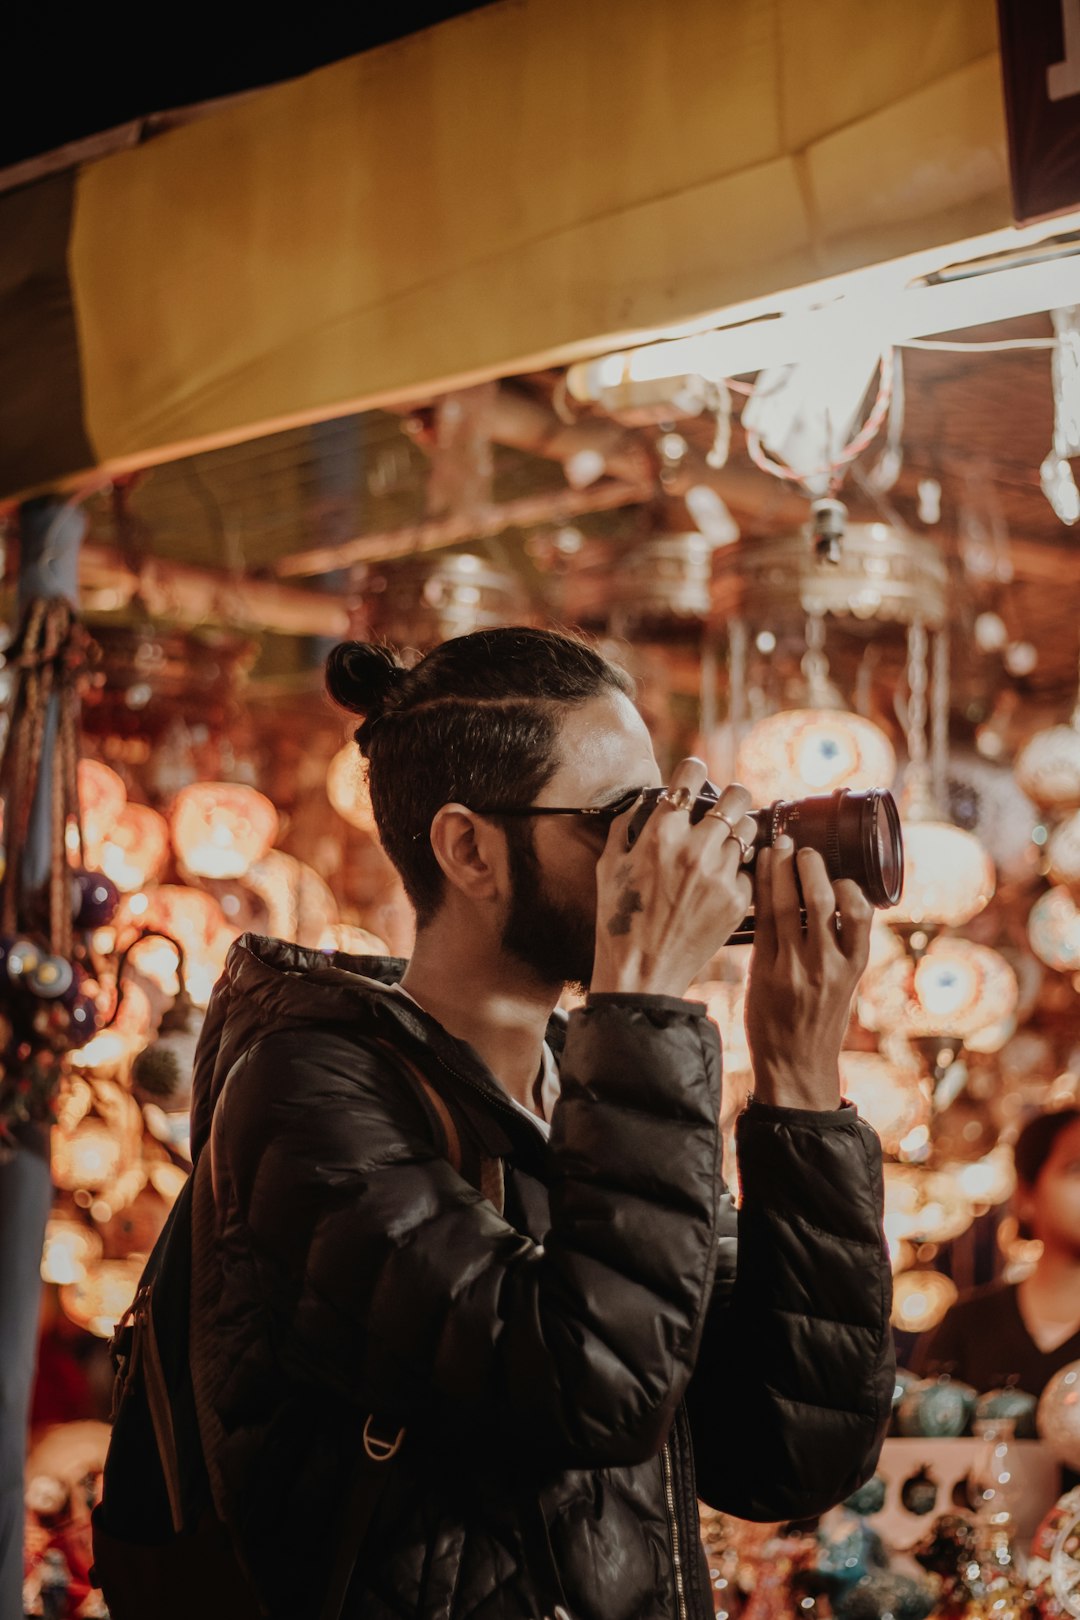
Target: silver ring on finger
679,798
746,848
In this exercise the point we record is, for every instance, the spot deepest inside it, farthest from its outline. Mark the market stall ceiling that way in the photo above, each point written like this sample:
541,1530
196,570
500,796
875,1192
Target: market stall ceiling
978,423
226,279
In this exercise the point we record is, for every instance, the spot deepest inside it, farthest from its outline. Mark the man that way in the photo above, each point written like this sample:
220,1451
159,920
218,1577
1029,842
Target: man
557,1352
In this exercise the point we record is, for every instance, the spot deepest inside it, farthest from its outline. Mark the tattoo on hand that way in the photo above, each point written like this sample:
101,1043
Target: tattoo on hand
629,902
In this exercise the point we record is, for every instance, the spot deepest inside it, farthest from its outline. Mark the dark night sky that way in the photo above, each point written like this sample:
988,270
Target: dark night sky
76,71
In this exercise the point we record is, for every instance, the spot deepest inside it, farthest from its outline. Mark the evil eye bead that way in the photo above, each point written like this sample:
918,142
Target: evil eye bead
23,958
84,1019
52,979
95,899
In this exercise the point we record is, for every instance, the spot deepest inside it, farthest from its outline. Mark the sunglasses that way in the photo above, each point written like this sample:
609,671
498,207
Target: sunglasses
600,814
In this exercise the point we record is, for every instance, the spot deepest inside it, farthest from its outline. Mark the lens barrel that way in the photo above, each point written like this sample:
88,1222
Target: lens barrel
857,835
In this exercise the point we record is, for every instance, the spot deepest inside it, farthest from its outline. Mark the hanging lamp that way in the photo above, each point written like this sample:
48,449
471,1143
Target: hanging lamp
924,1206
1054,930
347,788
1048,766
102,797
954,989
920,1300
220,829
889,1091
948,875
818,746
135,848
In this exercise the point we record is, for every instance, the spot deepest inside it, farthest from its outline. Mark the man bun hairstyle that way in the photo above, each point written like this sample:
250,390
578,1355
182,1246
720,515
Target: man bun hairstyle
476,721
361,678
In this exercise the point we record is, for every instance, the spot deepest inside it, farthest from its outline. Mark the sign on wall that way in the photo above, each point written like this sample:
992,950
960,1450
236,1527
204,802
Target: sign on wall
1040,58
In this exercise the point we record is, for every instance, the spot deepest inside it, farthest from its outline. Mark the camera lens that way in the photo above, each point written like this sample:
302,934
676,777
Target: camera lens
857,835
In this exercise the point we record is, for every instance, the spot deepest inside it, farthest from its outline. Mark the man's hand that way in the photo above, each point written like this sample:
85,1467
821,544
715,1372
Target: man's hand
667,905
801,982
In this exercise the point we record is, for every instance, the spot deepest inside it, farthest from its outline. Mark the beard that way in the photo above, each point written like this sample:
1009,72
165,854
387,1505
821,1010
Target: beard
554,939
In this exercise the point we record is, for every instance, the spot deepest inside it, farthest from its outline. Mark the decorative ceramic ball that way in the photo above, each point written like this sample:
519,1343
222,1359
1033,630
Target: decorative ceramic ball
1058,1414
845,1557
1016,1404
936,1409
94,898
919,1494
52,979
885,1593
23,957
1054,1564
869,1498
84,1019
904,1381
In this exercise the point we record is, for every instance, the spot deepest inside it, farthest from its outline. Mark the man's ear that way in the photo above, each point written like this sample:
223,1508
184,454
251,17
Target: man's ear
471,852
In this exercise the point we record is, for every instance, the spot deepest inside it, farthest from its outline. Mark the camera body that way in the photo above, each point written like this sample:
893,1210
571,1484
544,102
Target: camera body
857,835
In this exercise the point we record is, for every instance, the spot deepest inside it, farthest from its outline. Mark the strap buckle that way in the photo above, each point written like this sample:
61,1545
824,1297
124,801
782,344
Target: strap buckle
378,1449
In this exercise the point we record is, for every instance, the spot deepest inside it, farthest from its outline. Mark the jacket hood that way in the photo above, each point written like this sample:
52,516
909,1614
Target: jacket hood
271,985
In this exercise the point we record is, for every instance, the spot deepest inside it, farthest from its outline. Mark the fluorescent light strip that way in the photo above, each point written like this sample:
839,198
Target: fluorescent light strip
885,316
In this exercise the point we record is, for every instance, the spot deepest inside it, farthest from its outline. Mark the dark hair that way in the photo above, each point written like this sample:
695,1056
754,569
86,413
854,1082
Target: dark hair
476,720
1036,1141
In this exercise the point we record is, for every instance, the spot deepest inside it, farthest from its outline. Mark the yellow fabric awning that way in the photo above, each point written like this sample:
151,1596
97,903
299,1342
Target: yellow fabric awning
519,186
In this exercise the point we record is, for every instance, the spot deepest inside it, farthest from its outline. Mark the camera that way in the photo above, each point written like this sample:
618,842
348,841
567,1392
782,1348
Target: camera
857,835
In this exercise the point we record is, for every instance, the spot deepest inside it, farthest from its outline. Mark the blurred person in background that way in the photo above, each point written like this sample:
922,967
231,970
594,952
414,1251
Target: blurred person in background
1022,1333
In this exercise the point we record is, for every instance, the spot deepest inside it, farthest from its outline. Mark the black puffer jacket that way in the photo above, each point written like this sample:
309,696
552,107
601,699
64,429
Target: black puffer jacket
581,1351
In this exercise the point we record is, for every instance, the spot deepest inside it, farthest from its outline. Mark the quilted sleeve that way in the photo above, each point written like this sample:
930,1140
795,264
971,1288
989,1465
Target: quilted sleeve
792,1393
389,1282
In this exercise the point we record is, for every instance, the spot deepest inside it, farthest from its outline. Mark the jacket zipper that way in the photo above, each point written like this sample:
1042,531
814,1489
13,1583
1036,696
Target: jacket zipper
474,1085
673,1526
493,1099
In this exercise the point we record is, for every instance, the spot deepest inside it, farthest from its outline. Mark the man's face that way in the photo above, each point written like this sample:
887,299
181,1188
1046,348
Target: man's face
604,751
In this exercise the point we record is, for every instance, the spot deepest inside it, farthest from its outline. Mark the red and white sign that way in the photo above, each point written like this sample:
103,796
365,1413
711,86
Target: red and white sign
1040,59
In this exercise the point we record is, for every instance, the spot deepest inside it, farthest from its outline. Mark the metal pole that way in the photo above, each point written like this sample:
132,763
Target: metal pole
50,533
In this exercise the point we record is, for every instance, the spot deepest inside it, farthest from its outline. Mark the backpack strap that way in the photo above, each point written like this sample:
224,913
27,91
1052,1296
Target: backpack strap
490,1181
203,1343
368,1482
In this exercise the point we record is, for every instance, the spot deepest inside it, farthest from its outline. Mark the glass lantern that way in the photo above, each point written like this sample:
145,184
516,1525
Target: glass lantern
1063,851
102,797
220,829
924,1206
300,905
1054,930
88,1158
135,848
890,1096
99,1300
347,788
813,751
920,1300
948,877
71,1249
956,988
1048,768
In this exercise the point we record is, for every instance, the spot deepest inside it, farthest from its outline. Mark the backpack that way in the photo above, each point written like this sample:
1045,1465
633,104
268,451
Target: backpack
161,1548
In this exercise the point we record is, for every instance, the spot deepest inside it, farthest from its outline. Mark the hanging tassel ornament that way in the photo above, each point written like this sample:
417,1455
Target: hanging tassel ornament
1055,474
45,1008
